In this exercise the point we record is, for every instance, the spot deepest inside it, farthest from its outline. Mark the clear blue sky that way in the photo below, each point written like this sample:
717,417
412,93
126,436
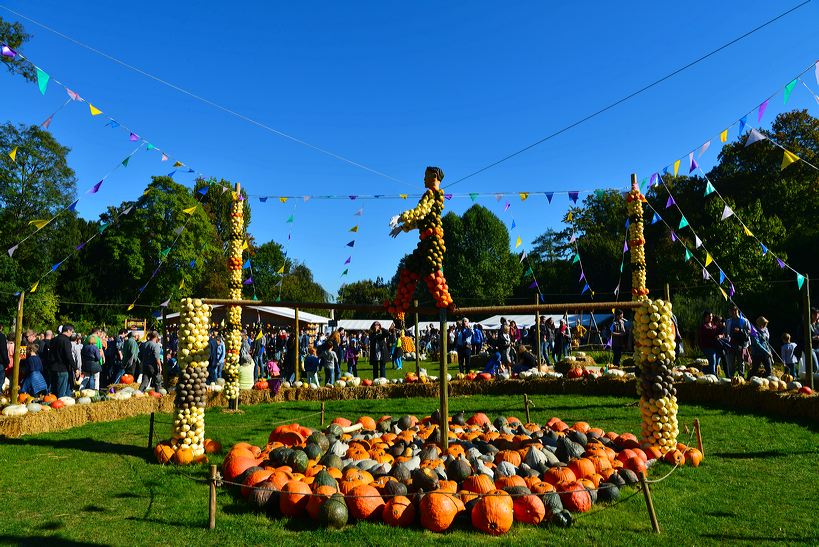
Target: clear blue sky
398,86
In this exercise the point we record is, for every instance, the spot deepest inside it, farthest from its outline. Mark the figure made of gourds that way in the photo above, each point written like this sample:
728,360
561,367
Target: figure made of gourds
426,260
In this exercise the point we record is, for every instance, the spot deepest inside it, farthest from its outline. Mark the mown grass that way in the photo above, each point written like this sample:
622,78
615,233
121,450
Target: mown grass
98,484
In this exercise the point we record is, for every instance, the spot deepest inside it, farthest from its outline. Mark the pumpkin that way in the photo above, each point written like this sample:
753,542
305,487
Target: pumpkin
510,456
261,385
576,498
365,502
163,453
293,499
608,493
254,478
333,513
528,509
57,404
459,469
233,466
493,513
479,419
399,512
541,488
583,467
449,486
50,398
674,457
636,464
693,456
367,423
183,456
324,478
438,510
653,453
261,494
555,475
503,483
320,495
480,484
126,379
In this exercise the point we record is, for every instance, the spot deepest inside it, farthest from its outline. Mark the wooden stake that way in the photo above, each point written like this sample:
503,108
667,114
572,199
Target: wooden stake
18,341
444,383
417,349
538,340
667,293
151,432
808,350
699,435
322,414
649,503
212,500
526,407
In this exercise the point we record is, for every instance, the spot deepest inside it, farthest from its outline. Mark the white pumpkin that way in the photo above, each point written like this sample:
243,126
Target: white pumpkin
84,401
69,401
15,410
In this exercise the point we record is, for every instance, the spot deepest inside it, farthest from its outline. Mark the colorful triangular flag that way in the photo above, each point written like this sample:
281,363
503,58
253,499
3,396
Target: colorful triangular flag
573,196
280,270
522,256
576,258
523,196
676,167
247,281
670,201
747,231
724,295
754,136
166,303
46,124
761,111
182,284
693,162
351,244
125,161
533,285
705,275
683,223
723,137
585,288
245,245
246,264
764,249
789,89
549,196
96,188
709,188
349,259
721,277
742,121
40,224
780,263
708,259
283,199
165,158
133,137
13,154
697,242
73,206
189,210
513,224
354,228
94,110
346,271
788,159
688,255
290,220
403,196
42,82
518,242
800,279
655,219
359,213
726,212
473,196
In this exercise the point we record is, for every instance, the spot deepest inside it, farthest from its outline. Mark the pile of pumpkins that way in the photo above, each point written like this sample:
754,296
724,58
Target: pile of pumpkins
28,404
493,473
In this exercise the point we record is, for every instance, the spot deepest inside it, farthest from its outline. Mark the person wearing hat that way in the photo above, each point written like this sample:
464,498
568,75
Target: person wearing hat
738,333
761,349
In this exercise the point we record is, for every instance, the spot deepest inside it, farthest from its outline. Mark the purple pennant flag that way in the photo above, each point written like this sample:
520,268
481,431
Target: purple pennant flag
670,202
533,285
761,111
608,343
351,244
73,205
353,197
80,246
625,246
349,258
133,137
448,196
8,52
693,163
247,281
781,264
549,196
653,179
673,236
506,207
573,196
582,276
731,289
96,188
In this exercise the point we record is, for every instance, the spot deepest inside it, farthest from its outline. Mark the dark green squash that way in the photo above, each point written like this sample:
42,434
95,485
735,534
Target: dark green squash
607,493
459,418
320,439
401,472
629,476
425,479
323,478
393,488
517,491
551,501
313,451
459,469
562,519
331,460
298,461
500,422
404,422
333,512
616,479
384,426
568,450
260,495
334,430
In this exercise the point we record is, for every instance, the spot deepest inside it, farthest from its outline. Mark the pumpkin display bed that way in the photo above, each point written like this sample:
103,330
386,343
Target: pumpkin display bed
494,473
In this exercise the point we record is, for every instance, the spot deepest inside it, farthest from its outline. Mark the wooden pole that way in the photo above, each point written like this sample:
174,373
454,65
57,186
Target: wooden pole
667,293
212,500
417,348
18,341
444,383
322,414
699,435
526,407
537,340
808,351
649,503
296,334
165,371
151,432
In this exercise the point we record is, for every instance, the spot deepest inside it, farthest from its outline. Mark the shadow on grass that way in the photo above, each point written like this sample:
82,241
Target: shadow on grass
794,540
51,525
41,540
753,455
178,524
93,509
86,444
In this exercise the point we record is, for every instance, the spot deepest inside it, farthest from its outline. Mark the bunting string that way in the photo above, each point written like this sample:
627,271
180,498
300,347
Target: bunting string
549,195
353,230
622,262
585,287
530,271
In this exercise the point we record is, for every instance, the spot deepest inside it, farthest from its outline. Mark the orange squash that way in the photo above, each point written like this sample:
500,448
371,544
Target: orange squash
582,467
494,513
183,456
399,512
576,498
674,457
528,509
480,484
365,502
293,499
438,510
693,456
554,475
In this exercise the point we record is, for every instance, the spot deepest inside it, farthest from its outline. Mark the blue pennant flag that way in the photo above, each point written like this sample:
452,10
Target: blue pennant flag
204,190
513,224
721,277
655,219
549,196
193,263
246,264
263,199
742,121
585,288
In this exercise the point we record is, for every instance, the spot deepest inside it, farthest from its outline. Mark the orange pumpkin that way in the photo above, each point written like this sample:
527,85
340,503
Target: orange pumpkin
541,488
636,464
494,513
253,479
438,510
184,456
212,447
582,467
365,502
399,511
654,453
233,466
576,498
528,509
57,404
367,423
693,456
479,419
163,452
508,456
554,475
480,484
448,486
321,494
506,482
126,379
293,499
674,457
50,398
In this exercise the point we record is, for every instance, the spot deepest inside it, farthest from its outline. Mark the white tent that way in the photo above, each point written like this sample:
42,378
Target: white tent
493,323
277,315
362,324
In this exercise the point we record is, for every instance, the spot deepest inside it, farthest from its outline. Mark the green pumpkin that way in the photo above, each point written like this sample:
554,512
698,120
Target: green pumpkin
404,422
279,455
563,519
333,513
96,399
458,470
517,491
384,426
331,460
551,501
394,488
334,430
323,478
313,451
608,493
298,461
320,439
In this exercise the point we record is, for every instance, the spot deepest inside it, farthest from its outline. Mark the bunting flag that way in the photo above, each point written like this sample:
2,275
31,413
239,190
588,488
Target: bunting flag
789,90
533,285
742,121
353,198
582,276
688,255
351,244
166,303
573,196
112,123
780,263
673,236
576,258
345,272
573,238
359,213
693,163
518,242
403,196
283,199
473,196
8,52
506,207
182,285
73,206
709,188
726,212
149,147
165,252
697,242
724,295
447,196
165,158
94,110
670,201
522,257
676,167
280,270
172,173
46,124
708,258
133,137
800,279
617,290
40,224
513,224
263,199
189,210
34,287
57,265
178,230
625,246
178,164
723,137
683,223
653,179
12,249
349,259
192,263
354,228
705,275
13,154
245,245
307,198
42,80
655,219
764,249
761,111
747,231
125,161
721,277
523,196
731,288
754,136
549,196
246,264
585,288
130,307
788,159
247,281
96,188
528,272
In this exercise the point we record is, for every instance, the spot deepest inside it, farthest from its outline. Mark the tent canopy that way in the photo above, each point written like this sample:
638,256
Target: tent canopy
362,324
275,315
494,322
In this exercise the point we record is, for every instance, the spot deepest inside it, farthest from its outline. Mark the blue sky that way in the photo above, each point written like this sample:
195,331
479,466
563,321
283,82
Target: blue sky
398,86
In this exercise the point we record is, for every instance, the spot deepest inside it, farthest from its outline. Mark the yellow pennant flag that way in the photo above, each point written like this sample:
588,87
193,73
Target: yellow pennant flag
178,164
788,159
280,270
244,245
182,284
708,259
354,228
34,287
676,167
569,217
94,110
403,196
524,195
283,199
130,307
518,243
723,136
39,223
13,155
189,210
724,295
747,231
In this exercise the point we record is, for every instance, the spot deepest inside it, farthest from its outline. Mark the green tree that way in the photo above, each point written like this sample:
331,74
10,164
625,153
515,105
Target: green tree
15,36
297,283
366,292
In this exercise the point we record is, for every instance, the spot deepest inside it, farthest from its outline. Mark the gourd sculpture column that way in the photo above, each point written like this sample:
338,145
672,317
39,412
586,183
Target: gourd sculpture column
189,422
654,347
234,313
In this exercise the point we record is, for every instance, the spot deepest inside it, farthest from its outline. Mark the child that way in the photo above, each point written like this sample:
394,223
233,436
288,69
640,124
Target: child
352,356
398,355
494,363
329,360
787,352
311,366
34,384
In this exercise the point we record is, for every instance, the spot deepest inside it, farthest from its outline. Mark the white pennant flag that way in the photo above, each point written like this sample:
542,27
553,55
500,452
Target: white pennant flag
705,275
166,303
617,290
498,197
128,210
703,148
697,242
179,230
754,136
573,239
726,212
522,256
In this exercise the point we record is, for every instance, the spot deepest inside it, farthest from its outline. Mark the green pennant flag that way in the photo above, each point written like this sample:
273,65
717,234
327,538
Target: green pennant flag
255,297
102,227
683,223
643,184
290,219
150,146
709,188
788,90
576,258
688,255
600,193
528,272
473,196
800,279
125,161
346,270
278,299
42,80
621,267
164,253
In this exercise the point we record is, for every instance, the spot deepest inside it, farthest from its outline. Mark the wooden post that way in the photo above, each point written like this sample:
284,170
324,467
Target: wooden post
322,414
444,383
808,350
18,341
649,503
699,435
538,340
165,372
296,334
667,293
151,432
526,407
417,348
212,500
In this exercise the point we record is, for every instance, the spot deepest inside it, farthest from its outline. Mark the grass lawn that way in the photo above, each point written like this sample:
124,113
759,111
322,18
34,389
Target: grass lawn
98,484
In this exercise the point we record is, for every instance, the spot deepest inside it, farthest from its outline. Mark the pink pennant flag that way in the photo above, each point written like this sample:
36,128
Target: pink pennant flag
693,162
703,148
74,96
133,137
761,110
47,123
506,208
164,157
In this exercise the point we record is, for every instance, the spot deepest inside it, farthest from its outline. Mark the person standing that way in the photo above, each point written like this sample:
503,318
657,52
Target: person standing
788,354
61,366
463,343
761,349
91,363
378,350
814,339
329,362
709,336
738,332
4,355
130,355
504,346
478,339
619,336
219,357
151,358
